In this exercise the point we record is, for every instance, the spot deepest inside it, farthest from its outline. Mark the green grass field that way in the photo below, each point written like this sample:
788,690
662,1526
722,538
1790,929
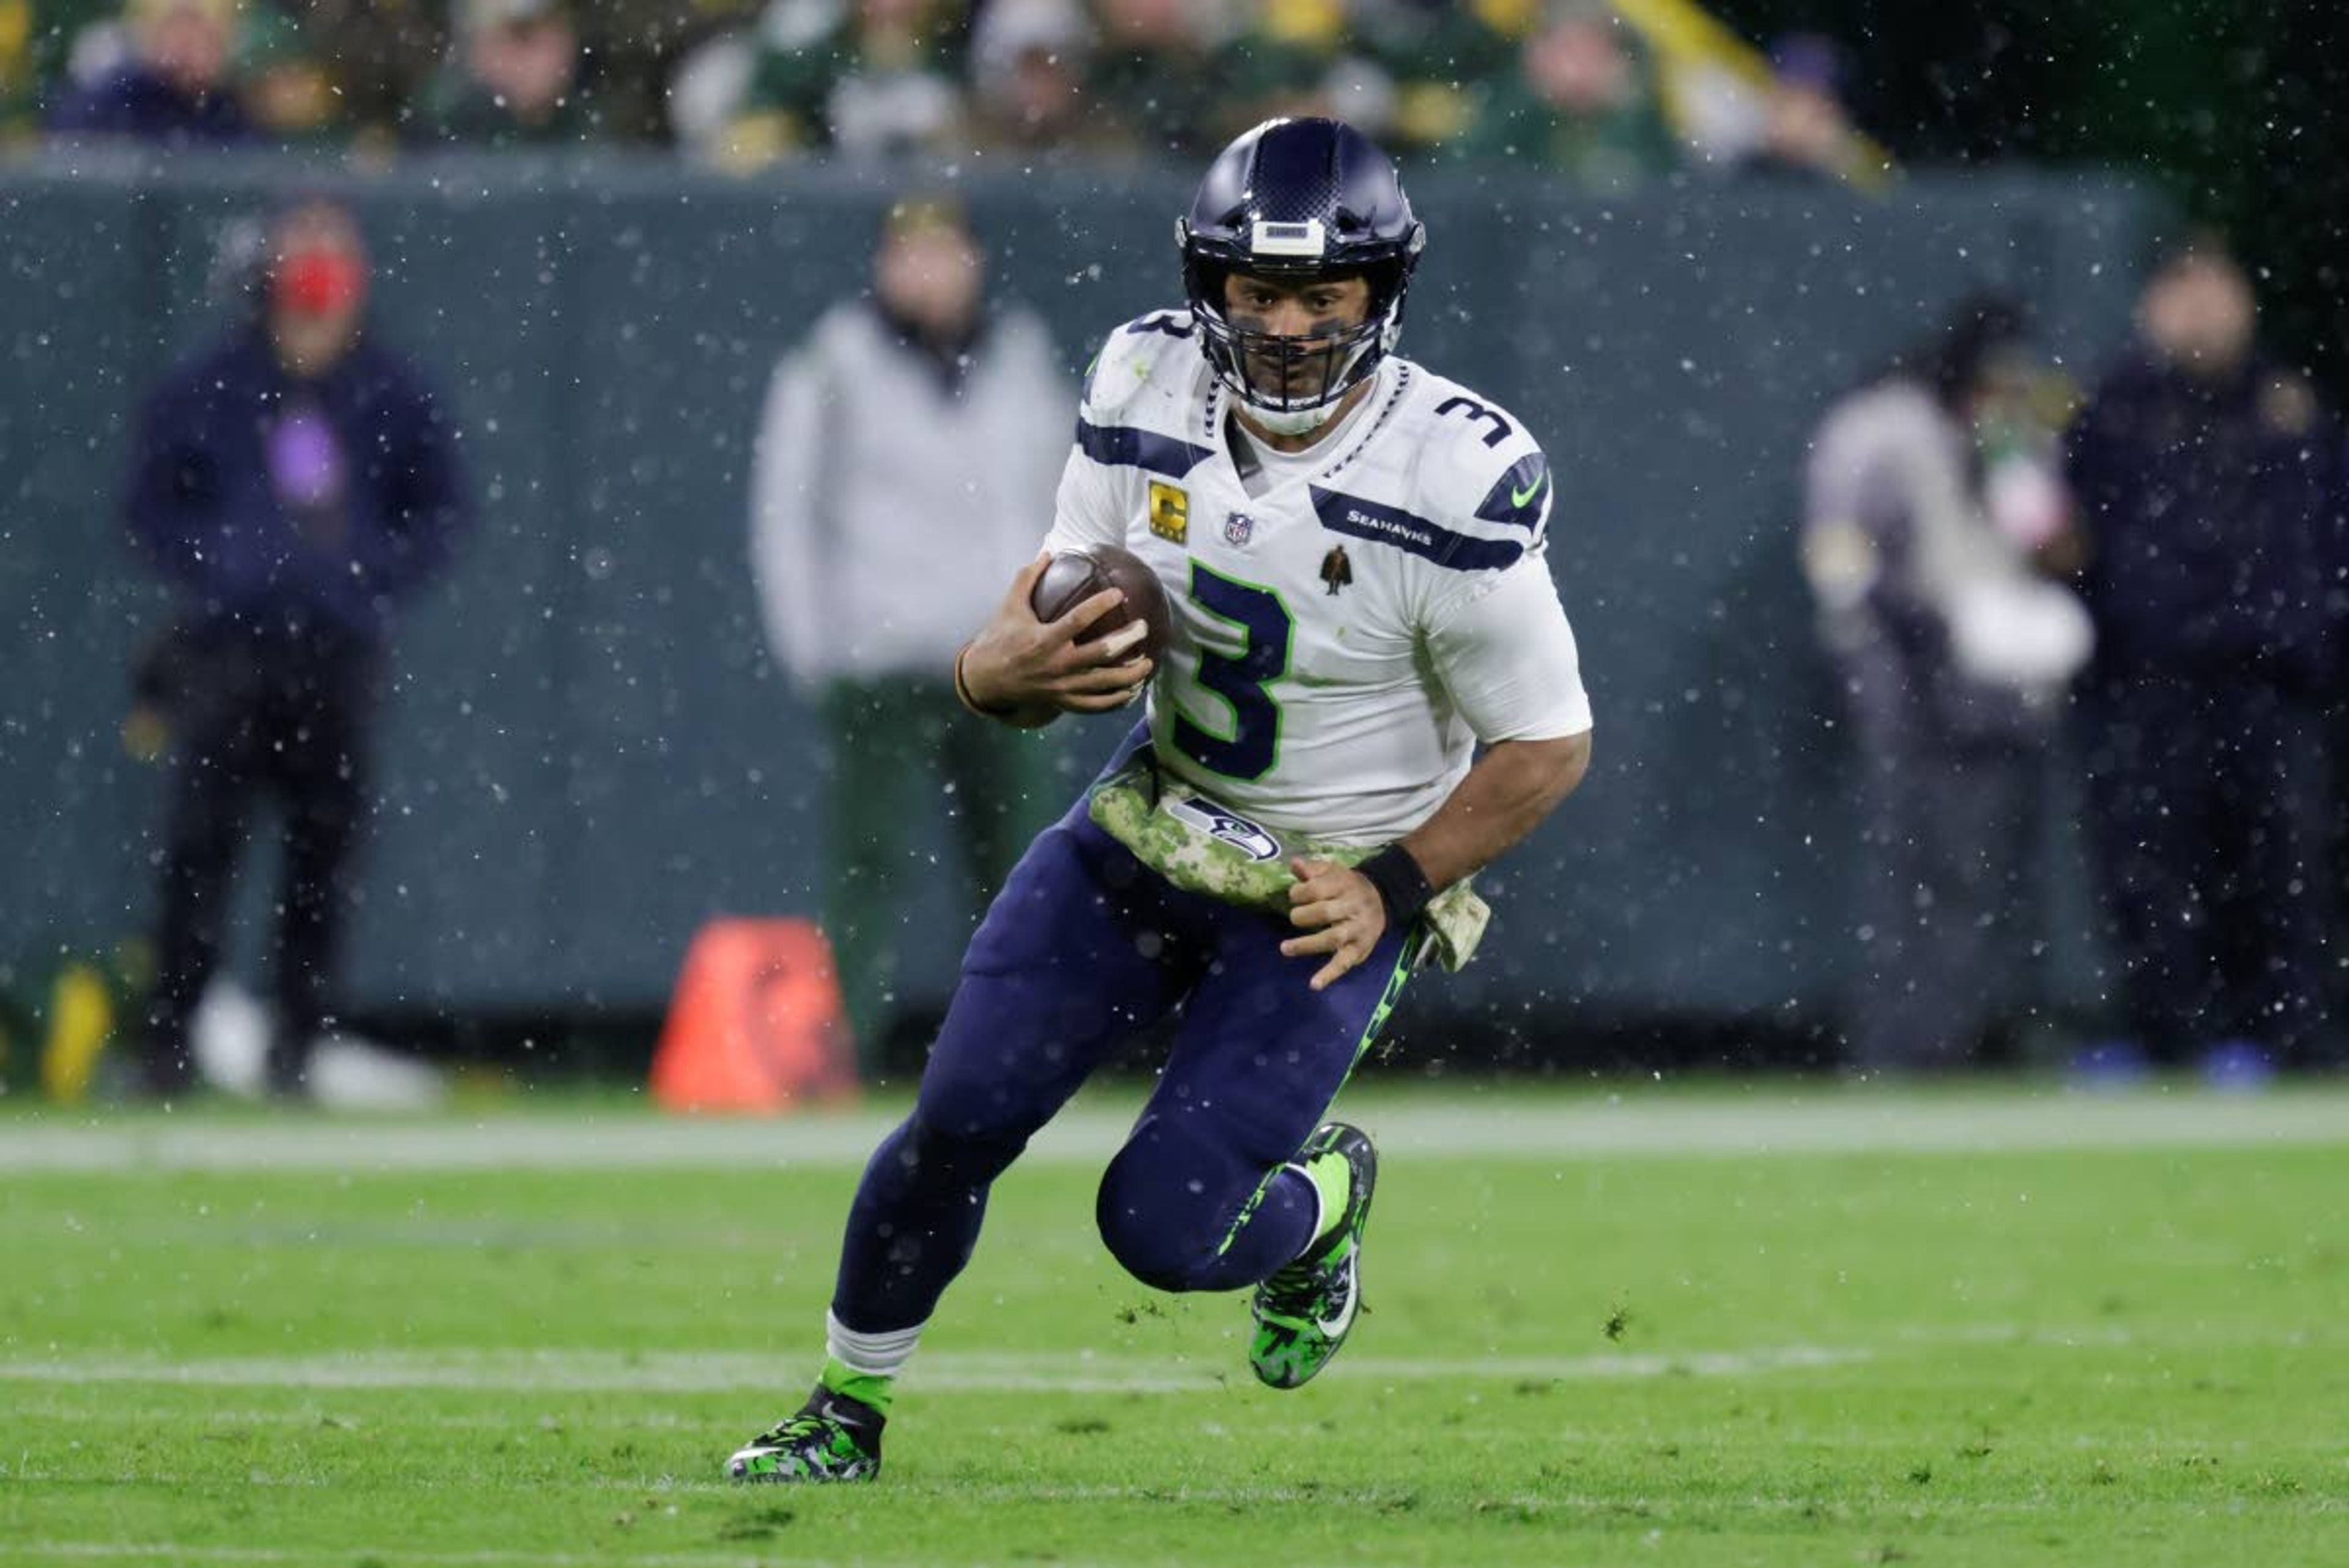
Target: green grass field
1774,1325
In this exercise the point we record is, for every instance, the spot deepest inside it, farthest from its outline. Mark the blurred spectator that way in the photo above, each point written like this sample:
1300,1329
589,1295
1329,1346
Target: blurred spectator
1029,62
515,81
172,86
1806,130
1298,58
1925,509
294,483
907,459
637,46
2211,487
283,78
19,69
376,56
1786,116
1391,68
1582,101
1433,54
1152,82
867,78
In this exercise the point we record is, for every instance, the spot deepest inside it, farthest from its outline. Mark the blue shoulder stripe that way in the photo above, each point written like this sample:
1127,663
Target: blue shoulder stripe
1122,444
1344,513
1518,495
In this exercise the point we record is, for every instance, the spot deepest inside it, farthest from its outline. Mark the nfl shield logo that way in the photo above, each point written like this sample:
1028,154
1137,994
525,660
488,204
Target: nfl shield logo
1238,527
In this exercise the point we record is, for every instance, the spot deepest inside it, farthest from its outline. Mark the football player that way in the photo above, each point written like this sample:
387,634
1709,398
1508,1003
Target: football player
1371,685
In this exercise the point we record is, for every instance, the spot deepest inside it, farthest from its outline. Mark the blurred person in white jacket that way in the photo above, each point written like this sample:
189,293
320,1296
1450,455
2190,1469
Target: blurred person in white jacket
1933,516
908,457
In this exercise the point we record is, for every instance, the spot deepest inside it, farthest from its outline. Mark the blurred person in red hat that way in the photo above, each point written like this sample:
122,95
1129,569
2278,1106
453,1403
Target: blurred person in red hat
296,484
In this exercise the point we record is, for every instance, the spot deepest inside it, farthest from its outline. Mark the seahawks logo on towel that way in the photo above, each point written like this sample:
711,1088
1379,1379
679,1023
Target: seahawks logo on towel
1230,827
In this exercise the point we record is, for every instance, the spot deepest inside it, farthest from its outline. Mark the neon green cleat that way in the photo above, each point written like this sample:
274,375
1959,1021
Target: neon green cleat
1304,1311
832,1438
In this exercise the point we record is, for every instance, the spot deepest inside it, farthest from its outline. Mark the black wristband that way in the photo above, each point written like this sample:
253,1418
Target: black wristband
1403,887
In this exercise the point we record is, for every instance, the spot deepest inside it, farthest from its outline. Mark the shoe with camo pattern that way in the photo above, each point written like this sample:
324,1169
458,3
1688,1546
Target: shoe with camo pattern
832,1438
1304,1311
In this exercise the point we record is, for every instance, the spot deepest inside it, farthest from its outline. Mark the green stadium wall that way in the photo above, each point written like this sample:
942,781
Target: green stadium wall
587,753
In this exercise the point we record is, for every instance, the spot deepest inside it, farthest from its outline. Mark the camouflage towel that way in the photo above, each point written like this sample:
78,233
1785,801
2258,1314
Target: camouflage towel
1204,848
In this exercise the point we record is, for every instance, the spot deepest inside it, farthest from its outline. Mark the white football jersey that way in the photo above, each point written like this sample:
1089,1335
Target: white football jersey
1344,639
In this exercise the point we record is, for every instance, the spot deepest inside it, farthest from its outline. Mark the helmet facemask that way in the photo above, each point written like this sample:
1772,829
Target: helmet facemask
1292,384
1295,202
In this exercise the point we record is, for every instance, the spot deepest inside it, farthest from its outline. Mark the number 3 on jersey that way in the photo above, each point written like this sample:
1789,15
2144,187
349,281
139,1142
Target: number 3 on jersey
1249,749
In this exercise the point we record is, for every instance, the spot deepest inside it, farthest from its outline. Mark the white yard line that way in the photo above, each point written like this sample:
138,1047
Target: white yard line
1077,1371
631,1415
169,1552
679,1371
1080,1371
634,1417
1764,1122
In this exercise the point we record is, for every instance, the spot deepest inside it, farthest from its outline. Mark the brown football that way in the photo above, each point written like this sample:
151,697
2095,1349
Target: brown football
1075,576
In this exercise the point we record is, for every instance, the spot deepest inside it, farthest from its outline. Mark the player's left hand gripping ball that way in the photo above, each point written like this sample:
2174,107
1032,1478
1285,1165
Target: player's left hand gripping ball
1339,910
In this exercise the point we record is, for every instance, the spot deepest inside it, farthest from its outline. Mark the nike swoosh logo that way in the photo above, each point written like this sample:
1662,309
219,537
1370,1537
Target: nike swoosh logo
1520,497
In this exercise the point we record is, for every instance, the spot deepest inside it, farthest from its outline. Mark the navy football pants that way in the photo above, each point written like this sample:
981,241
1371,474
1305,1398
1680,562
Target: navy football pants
1083,950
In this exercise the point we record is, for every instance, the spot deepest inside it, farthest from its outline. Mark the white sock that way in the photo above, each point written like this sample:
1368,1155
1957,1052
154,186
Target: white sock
870,1355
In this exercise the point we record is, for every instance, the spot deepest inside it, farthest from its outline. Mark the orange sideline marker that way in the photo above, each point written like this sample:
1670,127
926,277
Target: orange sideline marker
755,1023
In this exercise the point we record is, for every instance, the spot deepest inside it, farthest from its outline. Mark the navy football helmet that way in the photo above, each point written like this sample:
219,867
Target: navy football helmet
1292,200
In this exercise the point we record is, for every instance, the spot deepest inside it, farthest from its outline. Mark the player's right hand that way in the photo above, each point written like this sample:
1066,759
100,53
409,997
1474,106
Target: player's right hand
1019,663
